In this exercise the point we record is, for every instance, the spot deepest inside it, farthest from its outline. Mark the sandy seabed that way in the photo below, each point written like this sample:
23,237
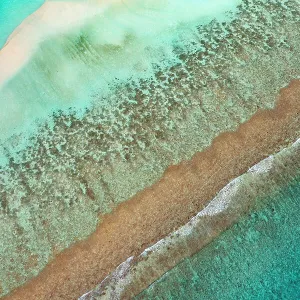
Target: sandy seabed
52,18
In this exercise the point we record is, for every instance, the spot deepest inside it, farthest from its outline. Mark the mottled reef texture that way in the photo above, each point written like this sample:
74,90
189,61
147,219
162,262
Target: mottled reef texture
53,193
250,192
158,210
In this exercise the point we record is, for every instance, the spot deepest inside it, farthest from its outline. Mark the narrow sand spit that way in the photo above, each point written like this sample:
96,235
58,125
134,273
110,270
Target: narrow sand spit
52,18
158,210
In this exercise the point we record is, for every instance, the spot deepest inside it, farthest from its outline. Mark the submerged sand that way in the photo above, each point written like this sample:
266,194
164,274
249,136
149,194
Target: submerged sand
155,212
51,18
166,205
58,17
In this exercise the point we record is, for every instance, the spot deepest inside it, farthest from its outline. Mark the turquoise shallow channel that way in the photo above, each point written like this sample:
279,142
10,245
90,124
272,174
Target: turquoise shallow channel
12,13
257,258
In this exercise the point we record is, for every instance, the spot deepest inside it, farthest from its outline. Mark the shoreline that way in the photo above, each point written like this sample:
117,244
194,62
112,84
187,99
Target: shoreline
53,17
120,180
131,226
58,17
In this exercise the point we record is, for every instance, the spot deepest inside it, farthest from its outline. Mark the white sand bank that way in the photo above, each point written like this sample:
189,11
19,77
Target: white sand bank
52,18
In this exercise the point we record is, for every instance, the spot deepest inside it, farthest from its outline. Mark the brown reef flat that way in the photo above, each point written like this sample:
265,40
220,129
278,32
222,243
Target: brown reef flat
153,213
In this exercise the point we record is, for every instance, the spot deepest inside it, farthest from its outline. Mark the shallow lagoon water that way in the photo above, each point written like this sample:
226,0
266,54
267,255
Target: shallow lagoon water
12,14
130,41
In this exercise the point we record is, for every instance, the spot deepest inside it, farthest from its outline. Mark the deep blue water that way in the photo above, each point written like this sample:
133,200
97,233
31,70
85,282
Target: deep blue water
258,258
12,13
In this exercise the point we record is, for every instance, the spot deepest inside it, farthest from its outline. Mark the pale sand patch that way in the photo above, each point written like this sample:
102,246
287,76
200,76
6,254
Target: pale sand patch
51,18
143,18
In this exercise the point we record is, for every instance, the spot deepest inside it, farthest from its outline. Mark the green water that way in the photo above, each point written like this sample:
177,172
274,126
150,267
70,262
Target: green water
12,13
258,258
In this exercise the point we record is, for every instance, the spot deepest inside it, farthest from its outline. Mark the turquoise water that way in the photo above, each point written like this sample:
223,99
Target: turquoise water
67,71
258,258
63,163
12,13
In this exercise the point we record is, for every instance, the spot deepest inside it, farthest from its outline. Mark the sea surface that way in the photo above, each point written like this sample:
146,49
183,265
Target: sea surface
99,113
257,258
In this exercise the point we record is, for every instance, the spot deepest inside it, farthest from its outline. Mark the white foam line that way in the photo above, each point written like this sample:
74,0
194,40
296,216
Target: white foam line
219,204
122,274
296,144
119,277
263,167
222,200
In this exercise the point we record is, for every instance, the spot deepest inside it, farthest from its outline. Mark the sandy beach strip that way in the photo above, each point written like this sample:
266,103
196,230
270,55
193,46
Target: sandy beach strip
152,214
